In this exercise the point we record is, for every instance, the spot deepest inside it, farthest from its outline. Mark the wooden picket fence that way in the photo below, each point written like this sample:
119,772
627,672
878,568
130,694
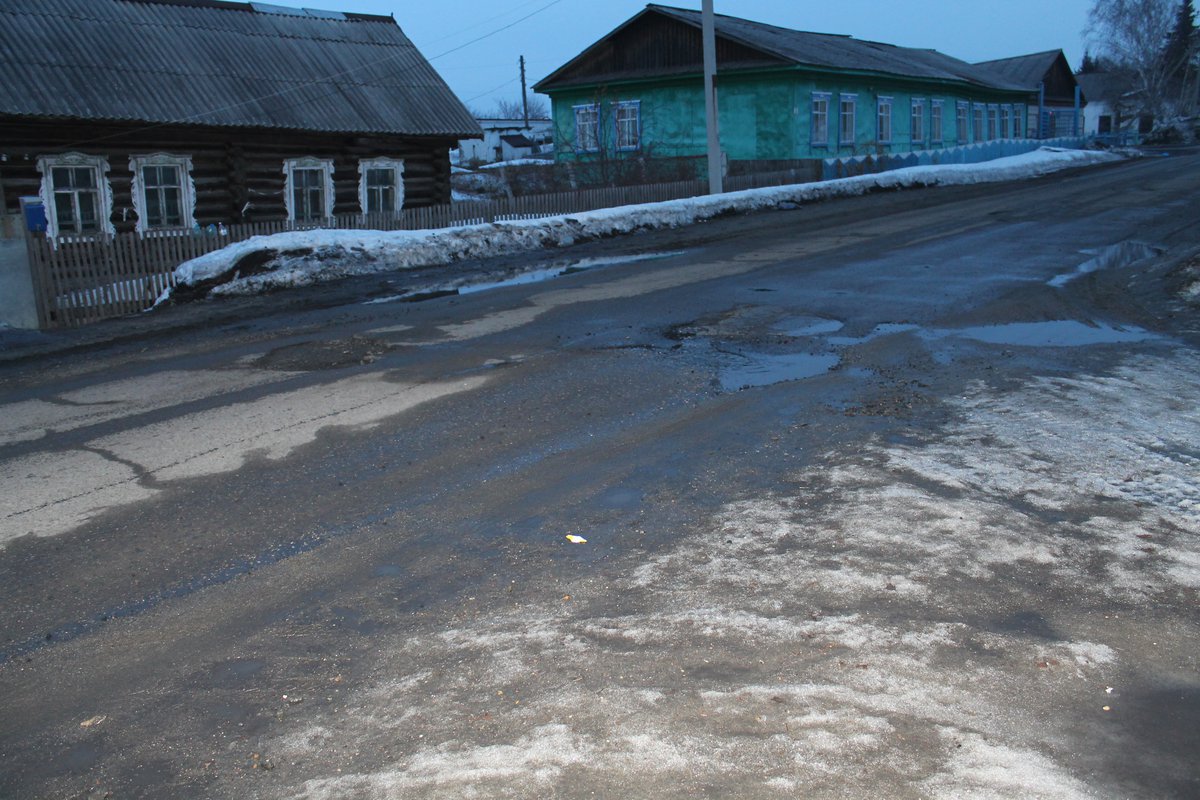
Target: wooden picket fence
80,280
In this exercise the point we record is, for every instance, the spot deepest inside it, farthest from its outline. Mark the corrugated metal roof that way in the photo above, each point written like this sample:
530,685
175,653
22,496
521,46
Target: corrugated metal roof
1027,70
212,62
830,51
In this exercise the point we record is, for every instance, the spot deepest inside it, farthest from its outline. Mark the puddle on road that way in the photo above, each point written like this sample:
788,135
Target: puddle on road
558,270
879,331
1056,333
759,369
809,326
1118,255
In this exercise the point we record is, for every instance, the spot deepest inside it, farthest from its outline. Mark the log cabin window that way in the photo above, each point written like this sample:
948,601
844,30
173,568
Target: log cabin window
308,189
76,194
380,185
918,121
962,121
587,128
820,119
164,196
629,125
848,125
937,133
885,120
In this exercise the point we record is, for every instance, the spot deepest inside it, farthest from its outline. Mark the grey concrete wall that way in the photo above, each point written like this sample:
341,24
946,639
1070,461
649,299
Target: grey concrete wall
17,304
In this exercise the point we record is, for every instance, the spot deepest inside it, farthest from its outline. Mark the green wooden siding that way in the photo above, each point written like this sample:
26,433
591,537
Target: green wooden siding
768,116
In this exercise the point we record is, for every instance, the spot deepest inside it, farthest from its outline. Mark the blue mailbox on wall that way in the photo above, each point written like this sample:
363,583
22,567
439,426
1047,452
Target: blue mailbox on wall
35,214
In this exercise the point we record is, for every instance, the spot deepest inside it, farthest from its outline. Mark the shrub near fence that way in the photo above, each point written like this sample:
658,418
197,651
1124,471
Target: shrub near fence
79,280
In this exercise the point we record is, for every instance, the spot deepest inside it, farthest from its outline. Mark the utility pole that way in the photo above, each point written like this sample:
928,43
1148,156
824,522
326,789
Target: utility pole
524,93
709,32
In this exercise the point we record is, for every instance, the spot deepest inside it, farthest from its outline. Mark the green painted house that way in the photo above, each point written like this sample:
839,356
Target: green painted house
783,96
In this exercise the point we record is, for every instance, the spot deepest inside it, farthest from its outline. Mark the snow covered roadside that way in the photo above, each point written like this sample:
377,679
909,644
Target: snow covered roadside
303,258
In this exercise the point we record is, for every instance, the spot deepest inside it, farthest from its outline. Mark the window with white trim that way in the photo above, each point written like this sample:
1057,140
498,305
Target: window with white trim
587,128
380,185
1006,122
937,132
820,119
962,122
992,121
76,194
918,121
164,195
1018,122
628,116
308,189
884,123
980,113
847,132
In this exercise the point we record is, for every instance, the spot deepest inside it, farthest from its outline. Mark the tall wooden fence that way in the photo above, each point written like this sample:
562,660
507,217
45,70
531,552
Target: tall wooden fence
78,280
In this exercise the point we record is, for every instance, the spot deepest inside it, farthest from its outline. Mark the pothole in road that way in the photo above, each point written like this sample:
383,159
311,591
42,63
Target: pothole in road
1118,255
759,369
1054,333
520,278
334,354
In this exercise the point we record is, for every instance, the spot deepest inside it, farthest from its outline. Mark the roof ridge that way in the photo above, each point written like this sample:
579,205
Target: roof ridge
254,7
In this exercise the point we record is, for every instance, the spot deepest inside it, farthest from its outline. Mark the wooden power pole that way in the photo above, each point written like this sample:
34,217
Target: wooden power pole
715,179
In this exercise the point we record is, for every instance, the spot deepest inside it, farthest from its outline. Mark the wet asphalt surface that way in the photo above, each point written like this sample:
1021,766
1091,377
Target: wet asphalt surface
231,523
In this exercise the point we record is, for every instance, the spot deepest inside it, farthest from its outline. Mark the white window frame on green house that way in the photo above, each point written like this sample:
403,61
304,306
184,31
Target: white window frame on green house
979,122
993,121
917,122
847,111
819,128
1006,121
628,136
587,128
60,191
883,120
322,170
962,122
150,199
937,124
373,194
1018,121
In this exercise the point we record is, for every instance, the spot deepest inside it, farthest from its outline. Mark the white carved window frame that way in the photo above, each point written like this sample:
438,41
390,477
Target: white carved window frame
290,165
396,165
46,164
187,194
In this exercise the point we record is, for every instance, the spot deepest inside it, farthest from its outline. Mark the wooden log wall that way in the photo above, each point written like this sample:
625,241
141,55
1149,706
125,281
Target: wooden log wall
230,167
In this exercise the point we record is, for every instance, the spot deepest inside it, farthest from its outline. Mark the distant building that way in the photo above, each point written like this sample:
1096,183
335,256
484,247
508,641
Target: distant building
507,140
784,95
1057,106
1111,110
156,115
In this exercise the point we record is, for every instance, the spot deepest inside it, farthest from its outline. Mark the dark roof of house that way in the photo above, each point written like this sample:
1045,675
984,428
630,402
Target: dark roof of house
825,51
517,140
1027,70
1103,86
220,63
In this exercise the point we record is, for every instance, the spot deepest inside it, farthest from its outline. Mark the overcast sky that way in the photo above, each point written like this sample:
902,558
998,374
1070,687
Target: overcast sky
558,30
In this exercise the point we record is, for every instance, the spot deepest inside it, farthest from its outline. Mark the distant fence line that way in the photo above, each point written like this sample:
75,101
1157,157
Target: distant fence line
79,280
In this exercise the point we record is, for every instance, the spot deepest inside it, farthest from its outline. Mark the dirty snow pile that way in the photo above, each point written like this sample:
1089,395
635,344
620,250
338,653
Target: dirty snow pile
303,258
953,618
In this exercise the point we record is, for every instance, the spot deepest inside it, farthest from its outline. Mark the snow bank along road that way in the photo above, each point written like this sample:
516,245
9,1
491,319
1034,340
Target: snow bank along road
889,496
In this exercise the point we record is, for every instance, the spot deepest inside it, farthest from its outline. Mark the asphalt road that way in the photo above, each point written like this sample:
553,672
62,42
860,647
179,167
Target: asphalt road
874,506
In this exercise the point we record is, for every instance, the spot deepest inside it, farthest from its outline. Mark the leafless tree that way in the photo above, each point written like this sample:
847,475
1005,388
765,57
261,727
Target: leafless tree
514,109
1132,35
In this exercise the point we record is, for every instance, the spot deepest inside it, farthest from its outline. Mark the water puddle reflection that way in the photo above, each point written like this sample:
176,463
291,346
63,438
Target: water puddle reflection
759,369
